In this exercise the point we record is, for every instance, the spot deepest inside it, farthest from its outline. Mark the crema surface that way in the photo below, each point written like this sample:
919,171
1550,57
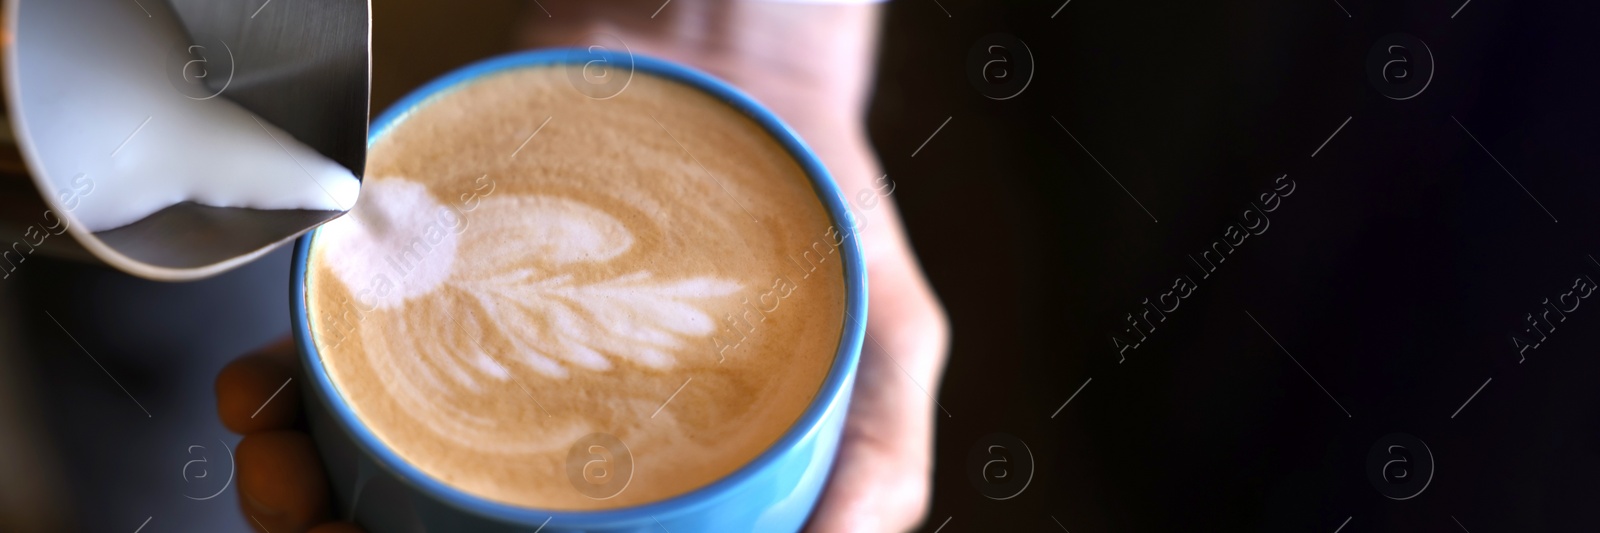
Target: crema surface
528,266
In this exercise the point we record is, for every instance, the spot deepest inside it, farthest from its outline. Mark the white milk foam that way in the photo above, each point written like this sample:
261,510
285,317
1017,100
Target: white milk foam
553,321
118,152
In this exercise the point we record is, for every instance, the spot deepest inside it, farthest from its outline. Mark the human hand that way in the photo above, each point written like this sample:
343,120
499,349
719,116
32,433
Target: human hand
811,64
281,481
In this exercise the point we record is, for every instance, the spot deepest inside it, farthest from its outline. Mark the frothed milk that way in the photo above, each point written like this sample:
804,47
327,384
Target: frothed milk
118,152
528,266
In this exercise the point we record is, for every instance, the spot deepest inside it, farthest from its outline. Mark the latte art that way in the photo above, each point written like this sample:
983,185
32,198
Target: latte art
542,244
495,296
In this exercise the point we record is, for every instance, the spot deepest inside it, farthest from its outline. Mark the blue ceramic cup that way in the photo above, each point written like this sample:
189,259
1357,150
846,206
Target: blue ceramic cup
774,492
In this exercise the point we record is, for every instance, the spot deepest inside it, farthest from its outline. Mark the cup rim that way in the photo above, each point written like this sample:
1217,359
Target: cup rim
840,373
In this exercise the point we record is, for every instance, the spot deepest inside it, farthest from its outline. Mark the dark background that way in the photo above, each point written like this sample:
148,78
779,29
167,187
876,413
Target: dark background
1384,294
1396,274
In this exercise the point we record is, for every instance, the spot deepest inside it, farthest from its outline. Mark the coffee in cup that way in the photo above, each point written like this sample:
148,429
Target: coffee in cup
531,272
